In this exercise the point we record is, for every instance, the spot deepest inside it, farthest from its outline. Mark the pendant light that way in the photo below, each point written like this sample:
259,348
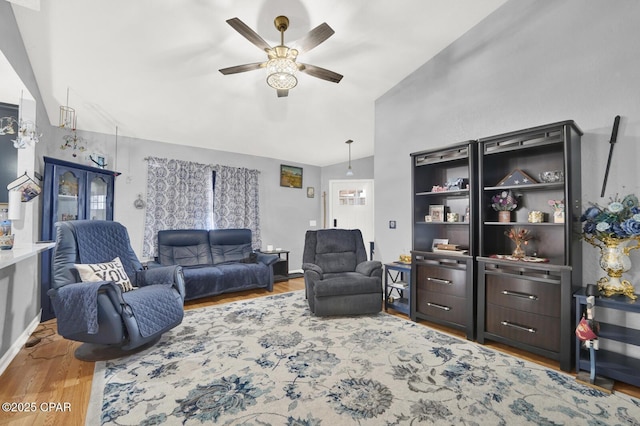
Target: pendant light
349,171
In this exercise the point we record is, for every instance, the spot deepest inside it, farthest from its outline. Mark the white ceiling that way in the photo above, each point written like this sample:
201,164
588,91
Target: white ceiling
150,67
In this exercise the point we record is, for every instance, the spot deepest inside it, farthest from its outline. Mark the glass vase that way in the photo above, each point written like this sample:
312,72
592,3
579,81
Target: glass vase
615,261
518,251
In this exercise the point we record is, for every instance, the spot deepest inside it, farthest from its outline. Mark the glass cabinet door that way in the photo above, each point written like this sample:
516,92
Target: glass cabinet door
68,187
98,199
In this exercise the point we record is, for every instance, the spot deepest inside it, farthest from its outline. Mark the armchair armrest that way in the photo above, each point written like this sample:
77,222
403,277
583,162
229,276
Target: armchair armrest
76,305
369,267
267,259
313,268
167,275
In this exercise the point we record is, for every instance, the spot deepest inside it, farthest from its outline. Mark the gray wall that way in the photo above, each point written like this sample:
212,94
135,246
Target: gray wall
284,212
19,283
531,62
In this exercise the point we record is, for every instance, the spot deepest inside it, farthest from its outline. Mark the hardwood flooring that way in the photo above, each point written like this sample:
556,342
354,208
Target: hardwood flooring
48,378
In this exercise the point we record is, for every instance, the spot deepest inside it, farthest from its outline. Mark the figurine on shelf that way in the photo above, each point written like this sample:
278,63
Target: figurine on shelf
521,237
558,210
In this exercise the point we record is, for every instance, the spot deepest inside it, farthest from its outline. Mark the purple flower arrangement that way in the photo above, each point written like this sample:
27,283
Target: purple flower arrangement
619,220
504,201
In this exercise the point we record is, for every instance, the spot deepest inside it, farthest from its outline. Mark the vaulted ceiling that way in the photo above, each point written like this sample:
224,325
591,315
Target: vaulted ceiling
150,68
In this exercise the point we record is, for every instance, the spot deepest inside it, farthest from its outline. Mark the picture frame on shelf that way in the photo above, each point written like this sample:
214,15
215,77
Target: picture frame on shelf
436,211
517,177
438,241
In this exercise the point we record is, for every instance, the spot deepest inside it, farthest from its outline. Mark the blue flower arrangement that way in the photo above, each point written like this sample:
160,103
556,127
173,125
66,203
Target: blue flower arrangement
619,220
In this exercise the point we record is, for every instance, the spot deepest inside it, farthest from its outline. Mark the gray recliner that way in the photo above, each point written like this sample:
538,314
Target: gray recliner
109,320
339,280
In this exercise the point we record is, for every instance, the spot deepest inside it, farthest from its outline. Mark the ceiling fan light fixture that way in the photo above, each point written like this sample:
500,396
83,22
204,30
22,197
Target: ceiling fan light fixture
281,73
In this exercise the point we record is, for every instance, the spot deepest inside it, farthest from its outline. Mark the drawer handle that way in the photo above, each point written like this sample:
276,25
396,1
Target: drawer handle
521,295
435,305
519,327
439,281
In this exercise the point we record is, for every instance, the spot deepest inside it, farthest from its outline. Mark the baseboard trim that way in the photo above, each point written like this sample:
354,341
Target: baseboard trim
18,344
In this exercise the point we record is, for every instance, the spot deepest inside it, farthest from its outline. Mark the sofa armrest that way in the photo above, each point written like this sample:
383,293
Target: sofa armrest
167,275
267,259
153,264
369,267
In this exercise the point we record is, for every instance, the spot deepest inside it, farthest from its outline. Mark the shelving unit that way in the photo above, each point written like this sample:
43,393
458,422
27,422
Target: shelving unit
71,191
442,288
610,364
397,287
528,304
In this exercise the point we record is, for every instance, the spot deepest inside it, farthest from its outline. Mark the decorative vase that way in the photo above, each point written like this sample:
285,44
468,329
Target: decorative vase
614,260
504,216
558,216
518,251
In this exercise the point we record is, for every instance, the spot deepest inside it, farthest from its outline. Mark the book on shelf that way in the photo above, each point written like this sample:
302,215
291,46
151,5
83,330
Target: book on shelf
450,249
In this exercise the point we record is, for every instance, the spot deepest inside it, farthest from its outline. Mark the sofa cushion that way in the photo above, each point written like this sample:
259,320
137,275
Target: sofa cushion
229,253
346,283
335,251
184,247
210,280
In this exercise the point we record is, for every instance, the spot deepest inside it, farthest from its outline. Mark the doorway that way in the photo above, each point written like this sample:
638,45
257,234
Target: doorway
351,206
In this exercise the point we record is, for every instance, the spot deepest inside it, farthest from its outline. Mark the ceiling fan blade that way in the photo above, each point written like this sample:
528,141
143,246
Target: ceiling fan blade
242,68
248,33
321,73
313,38
283,93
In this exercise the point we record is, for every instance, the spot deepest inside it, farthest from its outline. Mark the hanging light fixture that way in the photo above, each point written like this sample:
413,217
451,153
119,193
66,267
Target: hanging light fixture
67,115
349,171
281,66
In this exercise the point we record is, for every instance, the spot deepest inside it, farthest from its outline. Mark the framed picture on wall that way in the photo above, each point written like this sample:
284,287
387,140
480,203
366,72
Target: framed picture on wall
311,192
290,176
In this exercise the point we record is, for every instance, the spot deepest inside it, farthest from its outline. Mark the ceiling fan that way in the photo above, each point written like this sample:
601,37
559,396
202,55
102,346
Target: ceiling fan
281,64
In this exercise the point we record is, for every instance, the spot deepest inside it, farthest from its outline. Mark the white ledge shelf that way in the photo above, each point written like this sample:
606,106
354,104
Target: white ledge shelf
16,254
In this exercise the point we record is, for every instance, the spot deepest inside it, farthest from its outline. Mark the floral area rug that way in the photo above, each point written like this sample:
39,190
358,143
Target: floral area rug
267,361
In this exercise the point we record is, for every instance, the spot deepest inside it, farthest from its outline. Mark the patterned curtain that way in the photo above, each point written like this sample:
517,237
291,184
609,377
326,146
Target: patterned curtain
236,200
179,196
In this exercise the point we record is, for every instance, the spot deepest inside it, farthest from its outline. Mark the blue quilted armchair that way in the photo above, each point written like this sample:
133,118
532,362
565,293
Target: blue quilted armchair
102,295
338,278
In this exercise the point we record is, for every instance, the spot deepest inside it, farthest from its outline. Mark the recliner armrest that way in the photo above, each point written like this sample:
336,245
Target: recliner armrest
369,267
76,305
312,267
167,275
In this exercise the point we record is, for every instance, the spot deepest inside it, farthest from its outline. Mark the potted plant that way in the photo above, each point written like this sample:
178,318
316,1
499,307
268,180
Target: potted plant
504,202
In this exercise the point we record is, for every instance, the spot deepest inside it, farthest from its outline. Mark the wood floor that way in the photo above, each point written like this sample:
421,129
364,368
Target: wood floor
48,378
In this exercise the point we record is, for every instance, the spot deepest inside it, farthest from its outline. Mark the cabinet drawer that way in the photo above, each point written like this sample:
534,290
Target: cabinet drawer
533,329
442,306
442,280
523,294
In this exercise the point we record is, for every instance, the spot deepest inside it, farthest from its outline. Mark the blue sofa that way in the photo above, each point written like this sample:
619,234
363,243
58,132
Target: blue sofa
215,261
